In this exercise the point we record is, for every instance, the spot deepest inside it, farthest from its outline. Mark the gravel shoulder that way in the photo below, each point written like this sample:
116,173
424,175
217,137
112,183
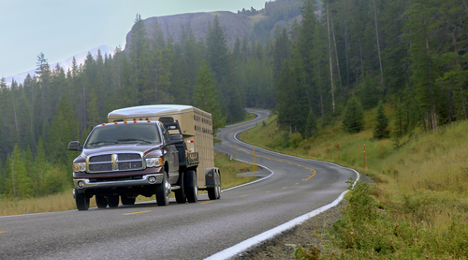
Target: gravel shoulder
311,232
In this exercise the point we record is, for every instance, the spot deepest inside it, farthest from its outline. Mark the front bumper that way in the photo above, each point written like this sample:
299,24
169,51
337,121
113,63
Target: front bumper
150,176
150,179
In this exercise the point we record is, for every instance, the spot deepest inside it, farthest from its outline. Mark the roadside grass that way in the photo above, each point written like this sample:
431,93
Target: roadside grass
64,201
418,205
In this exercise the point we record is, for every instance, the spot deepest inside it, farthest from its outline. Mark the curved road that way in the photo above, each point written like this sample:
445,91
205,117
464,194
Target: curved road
292,188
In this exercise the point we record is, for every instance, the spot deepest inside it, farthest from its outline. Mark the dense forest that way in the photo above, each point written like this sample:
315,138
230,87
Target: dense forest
341,57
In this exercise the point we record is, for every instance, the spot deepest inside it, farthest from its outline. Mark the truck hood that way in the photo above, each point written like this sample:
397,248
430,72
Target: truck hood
155,150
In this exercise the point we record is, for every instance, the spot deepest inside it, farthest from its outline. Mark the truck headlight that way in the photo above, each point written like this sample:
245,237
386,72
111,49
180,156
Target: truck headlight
154,162
79,167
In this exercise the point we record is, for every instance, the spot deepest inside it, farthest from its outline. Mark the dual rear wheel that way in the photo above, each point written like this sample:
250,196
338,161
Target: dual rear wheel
214,193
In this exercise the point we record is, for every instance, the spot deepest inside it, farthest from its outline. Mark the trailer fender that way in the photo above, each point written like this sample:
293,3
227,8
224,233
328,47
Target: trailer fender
210,177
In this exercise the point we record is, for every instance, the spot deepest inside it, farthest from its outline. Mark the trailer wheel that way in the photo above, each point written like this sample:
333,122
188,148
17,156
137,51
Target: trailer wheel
162,192
82,201
126,200
180,193
214,193
101,201
191,186
113,201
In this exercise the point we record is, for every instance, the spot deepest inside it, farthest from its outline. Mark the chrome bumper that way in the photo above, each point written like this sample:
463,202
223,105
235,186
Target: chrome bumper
83,184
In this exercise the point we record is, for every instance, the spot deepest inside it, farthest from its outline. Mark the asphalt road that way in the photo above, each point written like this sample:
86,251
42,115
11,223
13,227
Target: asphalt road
291,188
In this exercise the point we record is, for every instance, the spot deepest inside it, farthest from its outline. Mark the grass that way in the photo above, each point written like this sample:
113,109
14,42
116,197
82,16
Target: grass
421,189
64,201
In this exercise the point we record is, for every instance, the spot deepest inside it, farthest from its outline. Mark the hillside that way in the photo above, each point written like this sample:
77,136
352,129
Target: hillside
417,207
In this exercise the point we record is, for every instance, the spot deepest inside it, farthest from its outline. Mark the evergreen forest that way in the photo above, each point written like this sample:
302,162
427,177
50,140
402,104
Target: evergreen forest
338,58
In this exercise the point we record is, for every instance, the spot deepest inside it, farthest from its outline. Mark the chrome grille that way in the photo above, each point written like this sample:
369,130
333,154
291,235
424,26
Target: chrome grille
115,162
101,158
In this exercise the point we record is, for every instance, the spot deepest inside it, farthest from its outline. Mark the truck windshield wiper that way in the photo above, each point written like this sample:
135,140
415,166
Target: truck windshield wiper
134,140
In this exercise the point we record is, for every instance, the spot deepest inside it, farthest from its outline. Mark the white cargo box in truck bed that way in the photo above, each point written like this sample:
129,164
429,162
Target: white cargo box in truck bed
195,124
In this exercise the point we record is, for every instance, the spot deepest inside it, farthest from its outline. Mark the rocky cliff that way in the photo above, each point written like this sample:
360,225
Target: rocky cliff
235,25
254,24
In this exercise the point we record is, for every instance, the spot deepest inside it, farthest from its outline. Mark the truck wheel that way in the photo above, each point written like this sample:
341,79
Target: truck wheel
126,200
113,201
82,201
191,186
101,201
162,192
180,193
214,193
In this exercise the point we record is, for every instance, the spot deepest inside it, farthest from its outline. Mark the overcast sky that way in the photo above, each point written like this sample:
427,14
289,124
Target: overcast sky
62,28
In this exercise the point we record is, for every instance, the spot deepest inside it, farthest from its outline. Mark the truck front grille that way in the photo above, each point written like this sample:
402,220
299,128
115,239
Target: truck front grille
115,162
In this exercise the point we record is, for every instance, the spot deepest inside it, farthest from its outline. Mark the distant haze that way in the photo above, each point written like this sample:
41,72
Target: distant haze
66,64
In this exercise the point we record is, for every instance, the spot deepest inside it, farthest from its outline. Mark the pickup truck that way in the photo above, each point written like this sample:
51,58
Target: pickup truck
144,151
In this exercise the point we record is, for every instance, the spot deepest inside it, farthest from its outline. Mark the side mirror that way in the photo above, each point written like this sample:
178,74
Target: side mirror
75,146
176,139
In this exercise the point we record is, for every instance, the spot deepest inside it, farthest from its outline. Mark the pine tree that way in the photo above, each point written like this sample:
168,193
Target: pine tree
206,97
64,128
292,105
399,117
380,130
219,60
18,184
311,125
282,51
353,116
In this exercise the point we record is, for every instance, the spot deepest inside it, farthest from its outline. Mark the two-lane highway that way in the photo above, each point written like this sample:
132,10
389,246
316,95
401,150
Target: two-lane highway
293,187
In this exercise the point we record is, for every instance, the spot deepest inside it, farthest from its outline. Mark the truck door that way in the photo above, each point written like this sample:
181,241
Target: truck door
172,155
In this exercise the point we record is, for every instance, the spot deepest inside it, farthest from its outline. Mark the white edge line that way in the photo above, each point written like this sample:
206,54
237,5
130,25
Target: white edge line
252,182
253,241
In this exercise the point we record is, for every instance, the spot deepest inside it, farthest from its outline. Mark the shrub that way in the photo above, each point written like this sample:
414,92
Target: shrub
295,140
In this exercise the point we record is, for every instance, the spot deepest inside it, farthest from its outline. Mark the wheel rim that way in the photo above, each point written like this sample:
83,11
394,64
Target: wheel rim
167,189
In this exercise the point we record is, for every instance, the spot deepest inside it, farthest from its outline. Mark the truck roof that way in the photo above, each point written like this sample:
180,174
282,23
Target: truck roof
152,111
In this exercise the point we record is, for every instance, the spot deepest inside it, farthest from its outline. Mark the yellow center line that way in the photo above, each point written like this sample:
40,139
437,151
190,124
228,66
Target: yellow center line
285,188
206,202
2,232
297,183
227,130
278,160
269,191
139,212
245,195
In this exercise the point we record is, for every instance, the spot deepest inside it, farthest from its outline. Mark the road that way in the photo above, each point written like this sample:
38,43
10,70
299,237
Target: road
291,188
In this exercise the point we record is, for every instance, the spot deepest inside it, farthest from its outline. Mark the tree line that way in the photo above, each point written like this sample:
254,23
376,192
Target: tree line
411,54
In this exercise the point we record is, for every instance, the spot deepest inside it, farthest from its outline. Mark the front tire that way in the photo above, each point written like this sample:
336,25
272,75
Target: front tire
126,200
113,201
180,193
82,201
101,201
191,186
162,192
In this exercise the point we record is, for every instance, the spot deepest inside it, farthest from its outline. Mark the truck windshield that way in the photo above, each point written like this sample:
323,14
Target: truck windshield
123,133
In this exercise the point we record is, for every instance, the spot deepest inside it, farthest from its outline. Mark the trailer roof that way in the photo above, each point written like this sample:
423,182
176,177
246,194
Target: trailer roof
152,111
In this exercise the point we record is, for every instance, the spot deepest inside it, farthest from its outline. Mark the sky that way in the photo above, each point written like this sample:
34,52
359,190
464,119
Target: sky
62,28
